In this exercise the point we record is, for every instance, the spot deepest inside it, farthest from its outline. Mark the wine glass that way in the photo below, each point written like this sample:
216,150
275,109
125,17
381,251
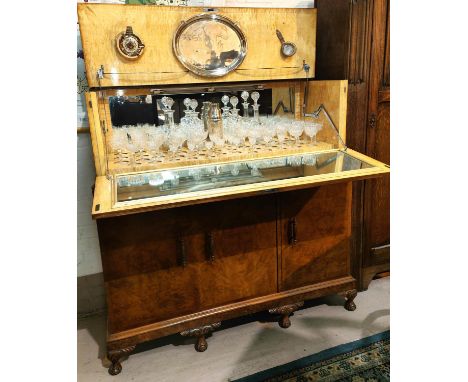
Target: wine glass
295,129
311,129
218,140
156,139
267,134
175,140
281,131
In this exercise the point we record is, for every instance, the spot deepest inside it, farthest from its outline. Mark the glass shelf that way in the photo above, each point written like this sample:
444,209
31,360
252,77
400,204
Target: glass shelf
209,177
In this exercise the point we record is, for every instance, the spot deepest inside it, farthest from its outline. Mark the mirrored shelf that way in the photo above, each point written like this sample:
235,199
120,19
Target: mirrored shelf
210,177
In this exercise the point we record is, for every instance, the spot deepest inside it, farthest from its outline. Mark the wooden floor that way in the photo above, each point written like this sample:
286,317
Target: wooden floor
242,346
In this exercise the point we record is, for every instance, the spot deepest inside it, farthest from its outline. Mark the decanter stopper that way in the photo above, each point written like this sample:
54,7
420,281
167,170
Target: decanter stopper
167,102
170,102
187,103
164,101
255,96
193,104
225,108
234,101
245,95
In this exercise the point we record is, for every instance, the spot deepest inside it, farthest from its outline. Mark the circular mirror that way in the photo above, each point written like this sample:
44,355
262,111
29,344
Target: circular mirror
210,45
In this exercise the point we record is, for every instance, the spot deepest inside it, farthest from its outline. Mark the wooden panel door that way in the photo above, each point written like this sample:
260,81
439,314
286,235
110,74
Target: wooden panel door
240,257
147,267
315,231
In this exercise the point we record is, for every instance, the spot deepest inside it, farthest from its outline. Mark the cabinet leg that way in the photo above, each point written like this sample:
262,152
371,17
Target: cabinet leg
115,356
349,304
201,345
285,311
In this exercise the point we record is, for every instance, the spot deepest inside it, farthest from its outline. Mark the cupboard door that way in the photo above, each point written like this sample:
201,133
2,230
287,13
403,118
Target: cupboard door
240,257
315,235
146,263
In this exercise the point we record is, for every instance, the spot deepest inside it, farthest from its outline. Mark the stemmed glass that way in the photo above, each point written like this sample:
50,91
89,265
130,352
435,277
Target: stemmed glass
281,131
218,140
311,129
295,129
156,138
175,140
250,132
267,133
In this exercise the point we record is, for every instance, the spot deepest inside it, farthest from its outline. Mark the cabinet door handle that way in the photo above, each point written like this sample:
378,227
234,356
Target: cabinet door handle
182,252
292,240
210,246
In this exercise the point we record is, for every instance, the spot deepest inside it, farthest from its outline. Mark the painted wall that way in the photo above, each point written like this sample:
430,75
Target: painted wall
89,261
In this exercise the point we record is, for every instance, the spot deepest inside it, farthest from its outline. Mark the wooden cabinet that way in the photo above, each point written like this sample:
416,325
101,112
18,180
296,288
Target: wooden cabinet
194,234
169,269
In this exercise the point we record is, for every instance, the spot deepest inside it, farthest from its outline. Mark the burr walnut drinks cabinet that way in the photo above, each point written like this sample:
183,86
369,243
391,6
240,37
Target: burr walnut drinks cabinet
204,215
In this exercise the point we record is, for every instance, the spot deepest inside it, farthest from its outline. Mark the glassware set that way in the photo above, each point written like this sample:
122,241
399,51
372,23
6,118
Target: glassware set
211,131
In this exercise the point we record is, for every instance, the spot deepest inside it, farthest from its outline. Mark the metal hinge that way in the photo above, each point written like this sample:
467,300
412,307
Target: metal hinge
100,72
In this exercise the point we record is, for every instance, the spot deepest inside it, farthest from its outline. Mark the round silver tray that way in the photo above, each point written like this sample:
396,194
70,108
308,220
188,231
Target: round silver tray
209,45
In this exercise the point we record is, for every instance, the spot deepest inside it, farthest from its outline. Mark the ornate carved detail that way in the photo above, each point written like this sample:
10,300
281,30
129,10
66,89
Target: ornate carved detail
200,333
114,356
350,296
285,311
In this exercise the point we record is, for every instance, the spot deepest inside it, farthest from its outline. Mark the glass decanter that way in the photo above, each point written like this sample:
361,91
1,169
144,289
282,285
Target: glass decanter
245,104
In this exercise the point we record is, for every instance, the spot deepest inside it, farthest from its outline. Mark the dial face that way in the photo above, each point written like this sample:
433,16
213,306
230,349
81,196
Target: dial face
288,49
210,45
129,44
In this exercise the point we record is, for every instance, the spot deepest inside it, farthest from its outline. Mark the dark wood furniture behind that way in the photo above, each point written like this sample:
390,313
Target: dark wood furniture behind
353,42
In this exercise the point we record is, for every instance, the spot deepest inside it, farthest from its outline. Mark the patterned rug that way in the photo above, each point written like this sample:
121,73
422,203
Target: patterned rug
364,360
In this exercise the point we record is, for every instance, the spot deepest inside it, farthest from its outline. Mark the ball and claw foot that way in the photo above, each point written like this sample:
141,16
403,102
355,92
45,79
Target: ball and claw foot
284,322
349,304
201,345
285,311
115,356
